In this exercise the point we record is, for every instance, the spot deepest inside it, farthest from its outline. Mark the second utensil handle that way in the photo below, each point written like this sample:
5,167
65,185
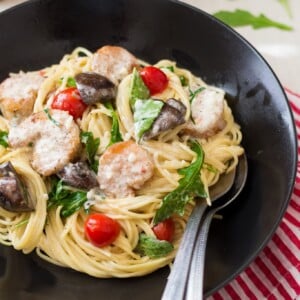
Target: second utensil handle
177,281
196,274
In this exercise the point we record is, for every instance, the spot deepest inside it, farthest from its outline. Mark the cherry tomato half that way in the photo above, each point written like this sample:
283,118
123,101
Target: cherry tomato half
101,230
70,101
155,79
165,230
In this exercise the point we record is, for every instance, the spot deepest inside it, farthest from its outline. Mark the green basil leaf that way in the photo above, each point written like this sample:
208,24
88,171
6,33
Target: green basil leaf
145,113
91,147
153,247
115,134
4,139
71,199
190,186
138,89
241,17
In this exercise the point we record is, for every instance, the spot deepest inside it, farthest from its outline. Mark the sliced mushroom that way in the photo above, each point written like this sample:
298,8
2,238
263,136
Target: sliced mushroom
94,88
78,175
13,196
171,115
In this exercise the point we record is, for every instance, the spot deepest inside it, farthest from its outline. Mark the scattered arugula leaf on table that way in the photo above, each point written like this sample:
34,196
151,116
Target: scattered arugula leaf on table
286,5
241,17
190,186
152,247
71,199
91,147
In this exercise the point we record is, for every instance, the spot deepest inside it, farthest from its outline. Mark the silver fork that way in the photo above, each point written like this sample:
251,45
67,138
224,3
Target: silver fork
176,284
196,274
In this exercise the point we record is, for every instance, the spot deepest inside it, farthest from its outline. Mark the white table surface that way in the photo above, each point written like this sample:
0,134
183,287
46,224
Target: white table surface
280,48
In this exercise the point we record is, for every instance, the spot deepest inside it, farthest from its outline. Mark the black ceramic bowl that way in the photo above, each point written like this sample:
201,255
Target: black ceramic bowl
39,33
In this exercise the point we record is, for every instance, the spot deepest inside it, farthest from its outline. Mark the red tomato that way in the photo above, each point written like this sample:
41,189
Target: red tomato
70,101
101,230
165,230
155,79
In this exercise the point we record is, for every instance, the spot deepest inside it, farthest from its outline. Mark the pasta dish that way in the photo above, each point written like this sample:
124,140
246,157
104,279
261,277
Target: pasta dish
103,156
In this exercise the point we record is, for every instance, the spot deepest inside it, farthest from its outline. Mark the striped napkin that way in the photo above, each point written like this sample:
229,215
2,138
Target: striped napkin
275,273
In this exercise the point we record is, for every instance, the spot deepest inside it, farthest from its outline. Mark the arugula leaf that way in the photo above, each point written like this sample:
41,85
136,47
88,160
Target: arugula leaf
71,199
70,82
193,94
171,68
183,80
91,147
241,17
4,139
287,7
190,186
46,110
138,89
145,113
115,134
152,247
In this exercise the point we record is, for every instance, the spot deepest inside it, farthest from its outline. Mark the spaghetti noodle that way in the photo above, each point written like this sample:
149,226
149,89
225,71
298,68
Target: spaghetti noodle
62,240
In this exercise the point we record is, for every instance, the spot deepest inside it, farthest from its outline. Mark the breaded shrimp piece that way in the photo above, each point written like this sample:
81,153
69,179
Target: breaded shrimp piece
123,168
207,113
54,139
18,93
113,63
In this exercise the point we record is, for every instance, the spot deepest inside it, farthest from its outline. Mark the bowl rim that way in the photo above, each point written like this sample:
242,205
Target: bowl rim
292,130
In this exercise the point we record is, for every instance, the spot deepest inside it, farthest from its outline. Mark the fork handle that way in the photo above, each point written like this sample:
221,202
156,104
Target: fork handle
196,275
177,280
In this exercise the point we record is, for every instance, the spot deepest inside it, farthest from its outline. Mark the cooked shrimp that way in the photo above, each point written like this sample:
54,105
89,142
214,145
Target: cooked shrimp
207,113
123,168
113,62
54,138
18,93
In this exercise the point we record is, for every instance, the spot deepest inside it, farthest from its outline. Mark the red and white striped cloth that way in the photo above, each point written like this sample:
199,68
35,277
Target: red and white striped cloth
275,273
